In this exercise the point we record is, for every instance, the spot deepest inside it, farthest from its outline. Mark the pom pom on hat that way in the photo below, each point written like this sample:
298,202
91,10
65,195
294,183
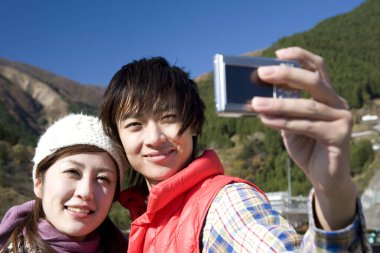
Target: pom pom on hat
75,129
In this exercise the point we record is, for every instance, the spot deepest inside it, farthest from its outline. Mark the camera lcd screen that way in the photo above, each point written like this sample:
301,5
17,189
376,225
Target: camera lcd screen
243,83
236,82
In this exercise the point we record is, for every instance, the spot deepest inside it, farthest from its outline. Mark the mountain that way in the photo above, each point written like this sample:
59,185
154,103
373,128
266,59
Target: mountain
32,97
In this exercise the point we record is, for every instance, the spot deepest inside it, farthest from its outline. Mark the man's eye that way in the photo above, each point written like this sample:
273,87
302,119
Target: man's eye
169,118
133,125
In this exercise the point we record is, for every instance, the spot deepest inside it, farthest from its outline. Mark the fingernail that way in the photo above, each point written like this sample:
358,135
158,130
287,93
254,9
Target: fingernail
266,70
260,102
285,51
282,51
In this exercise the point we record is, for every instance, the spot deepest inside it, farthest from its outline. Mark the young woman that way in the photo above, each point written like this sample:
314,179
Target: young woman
153,110
77,172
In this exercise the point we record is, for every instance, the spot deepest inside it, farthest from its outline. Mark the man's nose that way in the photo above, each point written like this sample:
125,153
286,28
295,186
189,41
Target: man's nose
154,134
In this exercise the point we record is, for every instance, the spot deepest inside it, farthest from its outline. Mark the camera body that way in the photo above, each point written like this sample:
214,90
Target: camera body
236,82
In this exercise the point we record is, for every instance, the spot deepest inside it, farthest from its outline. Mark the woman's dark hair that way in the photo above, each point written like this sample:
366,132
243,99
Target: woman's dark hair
111,238
151,85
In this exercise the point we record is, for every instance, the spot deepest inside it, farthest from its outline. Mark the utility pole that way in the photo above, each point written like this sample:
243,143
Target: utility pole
289,179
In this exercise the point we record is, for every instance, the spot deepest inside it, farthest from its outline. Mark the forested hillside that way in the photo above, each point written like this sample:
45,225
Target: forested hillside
348,43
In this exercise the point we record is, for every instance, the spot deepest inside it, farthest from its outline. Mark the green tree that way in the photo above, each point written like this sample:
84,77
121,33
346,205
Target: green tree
361,156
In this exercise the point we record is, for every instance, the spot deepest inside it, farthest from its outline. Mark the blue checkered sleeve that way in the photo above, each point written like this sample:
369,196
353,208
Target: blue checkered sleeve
240,219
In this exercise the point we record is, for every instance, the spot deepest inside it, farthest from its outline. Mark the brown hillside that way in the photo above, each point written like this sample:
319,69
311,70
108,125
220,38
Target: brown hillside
33,96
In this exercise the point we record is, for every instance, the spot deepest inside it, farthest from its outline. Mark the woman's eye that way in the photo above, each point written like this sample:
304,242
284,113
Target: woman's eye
72,172
104,179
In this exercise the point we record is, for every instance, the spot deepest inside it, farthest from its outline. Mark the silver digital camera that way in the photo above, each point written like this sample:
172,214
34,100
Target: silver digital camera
236,82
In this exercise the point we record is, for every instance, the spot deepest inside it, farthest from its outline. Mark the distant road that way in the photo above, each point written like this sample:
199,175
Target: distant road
358,134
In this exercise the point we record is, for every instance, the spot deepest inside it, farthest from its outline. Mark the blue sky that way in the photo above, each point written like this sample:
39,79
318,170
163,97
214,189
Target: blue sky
88,41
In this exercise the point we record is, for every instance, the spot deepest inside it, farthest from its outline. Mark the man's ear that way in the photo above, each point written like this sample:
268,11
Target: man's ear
38,188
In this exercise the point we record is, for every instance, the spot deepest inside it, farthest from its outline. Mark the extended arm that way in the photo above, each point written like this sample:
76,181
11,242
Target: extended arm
316,133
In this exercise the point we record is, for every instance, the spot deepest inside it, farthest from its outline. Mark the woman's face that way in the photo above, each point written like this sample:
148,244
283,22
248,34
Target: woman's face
77,192
153,147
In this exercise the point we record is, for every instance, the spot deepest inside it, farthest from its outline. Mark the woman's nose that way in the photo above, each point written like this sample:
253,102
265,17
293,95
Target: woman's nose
85,189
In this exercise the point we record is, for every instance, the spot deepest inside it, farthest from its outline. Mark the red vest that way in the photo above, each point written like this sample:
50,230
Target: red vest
177,207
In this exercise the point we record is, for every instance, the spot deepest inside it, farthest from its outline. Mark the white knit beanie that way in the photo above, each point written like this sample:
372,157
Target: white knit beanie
75,129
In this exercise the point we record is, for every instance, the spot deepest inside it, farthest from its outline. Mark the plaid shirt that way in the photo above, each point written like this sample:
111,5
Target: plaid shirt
241,220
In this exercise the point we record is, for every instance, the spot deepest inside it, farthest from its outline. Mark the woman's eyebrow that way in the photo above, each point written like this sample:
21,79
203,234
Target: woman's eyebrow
76,163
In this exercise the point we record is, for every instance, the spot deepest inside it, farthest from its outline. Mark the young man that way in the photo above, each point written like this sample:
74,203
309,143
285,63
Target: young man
153,110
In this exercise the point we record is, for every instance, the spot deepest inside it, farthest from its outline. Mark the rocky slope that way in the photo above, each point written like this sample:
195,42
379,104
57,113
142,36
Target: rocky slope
33,96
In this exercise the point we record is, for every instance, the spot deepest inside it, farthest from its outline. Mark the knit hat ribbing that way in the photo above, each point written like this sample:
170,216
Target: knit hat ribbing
75,129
